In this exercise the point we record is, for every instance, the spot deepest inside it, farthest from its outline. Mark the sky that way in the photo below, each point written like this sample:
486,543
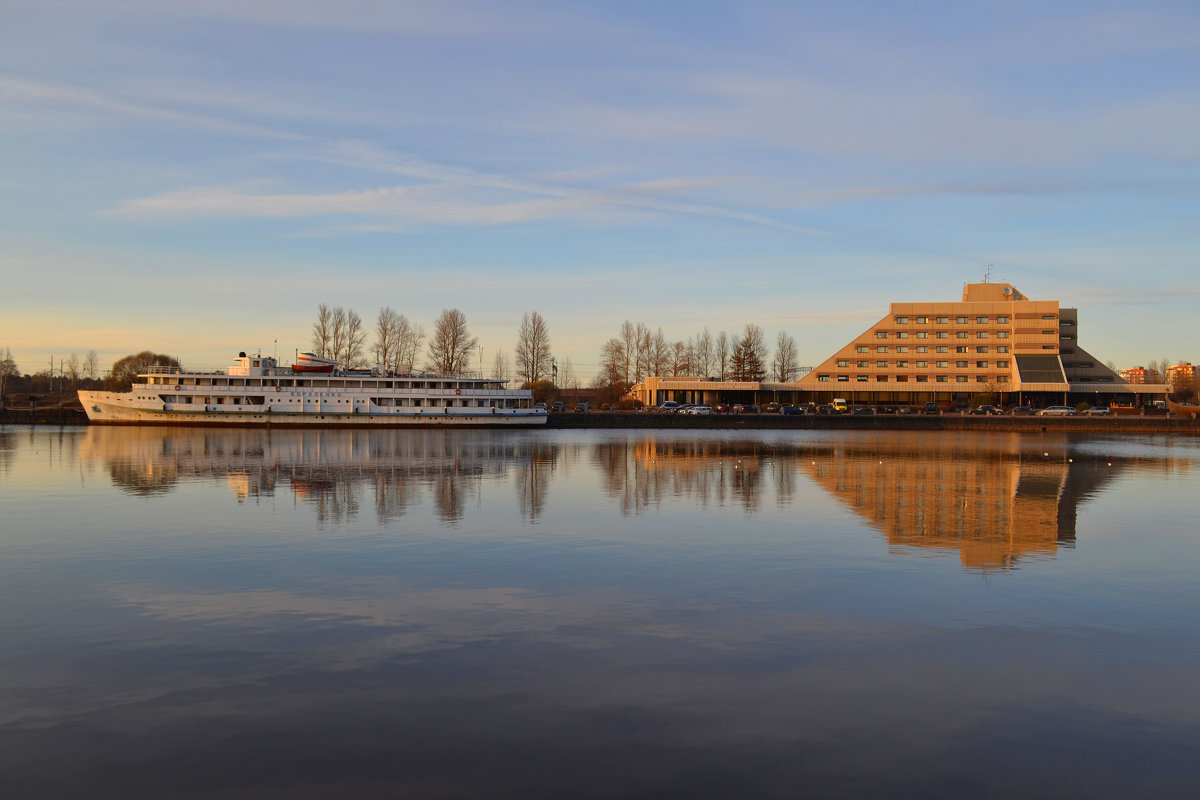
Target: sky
195,178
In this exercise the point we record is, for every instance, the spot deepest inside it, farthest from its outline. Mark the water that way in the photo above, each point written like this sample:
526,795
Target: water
298,614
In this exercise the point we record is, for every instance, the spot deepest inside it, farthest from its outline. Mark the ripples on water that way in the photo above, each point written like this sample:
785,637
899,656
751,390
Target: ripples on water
246,613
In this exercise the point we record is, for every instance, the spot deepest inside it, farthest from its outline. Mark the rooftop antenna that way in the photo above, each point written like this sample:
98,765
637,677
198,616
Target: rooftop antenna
987,274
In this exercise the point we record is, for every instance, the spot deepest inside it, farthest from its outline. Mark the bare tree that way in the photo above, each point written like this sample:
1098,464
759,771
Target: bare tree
721,354
614,363
702,354
91,365
322,334
786,362
71,369
385,339
500,366
567,378
533,349
680,358
451,344
8,369
408,342
748,355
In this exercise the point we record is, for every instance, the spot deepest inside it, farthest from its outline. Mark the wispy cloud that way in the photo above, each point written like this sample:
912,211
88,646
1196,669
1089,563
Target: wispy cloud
76,98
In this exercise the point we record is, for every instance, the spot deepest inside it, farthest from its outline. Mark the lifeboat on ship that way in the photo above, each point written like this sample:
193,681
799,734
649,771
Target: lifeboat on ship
310,362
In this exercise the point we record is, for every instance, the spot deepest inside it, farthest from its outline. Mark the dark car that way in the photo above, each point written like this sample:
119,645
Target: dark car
863,411
557,406
825,411
722,408
1022,411
746,408
904,409
771,408
985,411
931,408
792,411
885,410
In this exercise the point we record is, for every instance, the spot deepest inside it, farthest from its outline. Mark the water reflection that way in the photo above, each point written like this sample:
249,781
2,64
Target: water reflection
329,470
994,499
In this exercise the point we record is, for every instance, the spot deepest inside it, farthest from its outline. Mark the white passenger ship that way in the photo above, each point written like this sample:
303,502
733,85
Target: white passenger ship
257,391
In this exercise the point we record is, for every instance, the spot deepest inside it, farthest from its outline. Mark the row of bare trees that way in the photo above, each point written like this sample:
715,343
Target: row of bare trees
637,352
339,334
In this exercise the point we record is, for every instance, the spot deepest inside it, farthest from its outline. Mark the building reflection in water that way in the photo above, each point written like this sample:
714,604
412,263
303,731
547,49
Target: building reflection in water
993,498
330,470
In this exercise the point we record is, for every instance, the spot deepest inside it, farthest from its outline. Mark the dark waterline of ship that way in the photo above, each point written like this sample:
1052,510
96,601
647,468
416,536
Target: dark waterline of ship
566,613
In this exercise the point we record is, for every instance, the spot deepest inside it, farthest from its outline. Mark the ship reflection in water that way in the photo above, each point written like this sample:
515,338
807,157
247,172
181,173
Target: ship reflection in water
990,498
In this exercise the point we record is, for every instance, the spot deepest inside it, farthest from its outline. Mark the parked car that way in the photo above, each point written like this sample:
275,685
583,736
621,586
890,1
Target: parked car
885,410
1098,412
558,406
539,406
683,409
722,408
746,408
904,409
668,407
1057,411
863,411
931,408
700,411
791,410
825,411
771,408
582,408
1022,411
985,411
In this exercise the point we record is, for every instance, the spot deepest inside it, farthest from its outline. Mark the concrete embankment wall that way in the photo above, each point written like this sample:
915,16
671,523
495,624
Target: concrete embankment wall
919,422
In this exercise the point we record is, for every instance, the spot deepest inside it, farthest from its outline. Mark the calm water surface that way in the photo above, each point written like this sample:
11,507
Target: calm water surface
298,614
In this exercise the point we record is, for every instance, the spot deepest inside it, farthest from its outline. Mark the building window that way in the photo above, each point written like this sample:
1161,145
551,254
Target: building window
941,364
922,320
962,349
862,348
922,363
922,379
1049,316
1001,365
922,334
881,364
881,378
1047,333
981,320
922,348
880,334
981,365
943,320
1001,334
843,362
1002,348
961,320
901,364
941,379
981,349
1066,323
843,378
901,379
960,335
901,349
862,364
823,379
1001,379
942,348
981,334
943,335
1002,320
861,378
960,364
901,320
981,378
902,335
960,378
881,349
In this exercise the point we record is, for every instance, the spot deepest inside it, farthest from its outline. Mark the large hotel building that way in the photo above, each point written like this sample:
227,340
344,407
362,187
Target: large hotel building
995,341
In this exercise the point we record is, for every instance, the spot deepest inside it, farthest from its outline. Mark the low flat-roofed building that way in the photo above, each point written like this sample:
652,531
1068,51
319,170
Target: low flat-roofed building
994,341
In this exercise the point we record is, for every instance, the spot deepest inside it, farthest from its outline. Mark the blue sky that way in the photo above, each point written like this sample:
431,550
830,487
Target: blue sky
196,177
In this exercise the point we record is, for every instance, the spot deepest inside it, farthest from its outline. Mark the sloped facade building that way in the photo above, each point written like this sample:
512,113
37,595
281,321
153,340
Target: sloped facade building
995,341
